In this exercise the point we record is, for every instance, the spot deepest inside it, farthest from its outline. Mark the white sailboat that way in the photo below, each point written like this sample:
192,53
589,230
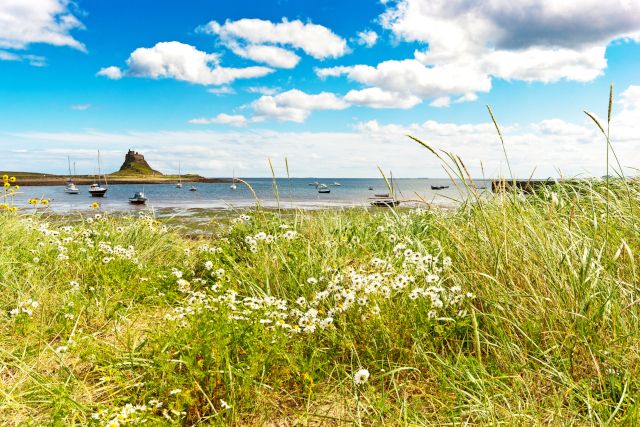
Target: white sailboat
179,184
233,185
96,190
71,187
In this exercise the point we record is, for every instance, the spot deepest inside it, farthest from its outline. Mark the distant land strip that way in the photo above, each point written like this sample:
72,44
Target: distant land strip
35,179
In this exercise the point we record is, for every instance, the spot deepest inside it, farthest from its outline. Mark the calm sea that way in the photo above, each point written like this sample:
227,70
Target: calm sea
293,193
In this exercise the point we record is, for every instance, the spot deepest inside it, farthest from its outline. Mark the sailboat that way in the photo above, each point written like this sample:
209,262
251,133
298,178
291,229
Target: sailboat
95,189
233,185
71,187
179,184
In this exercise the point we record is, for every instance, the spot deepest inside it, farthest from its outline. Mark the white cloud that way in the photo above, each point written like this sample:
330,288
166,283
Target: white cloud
114,73
413,77
223,119
25,22
442,101
81,107
222,90
377,98
467,43
270,55
182,62
263,90
367,38
295,105
257,38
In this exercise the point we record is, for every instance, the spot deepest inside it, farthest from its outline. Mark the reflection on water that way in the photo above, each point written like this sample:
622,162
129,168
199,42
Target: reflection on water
293,193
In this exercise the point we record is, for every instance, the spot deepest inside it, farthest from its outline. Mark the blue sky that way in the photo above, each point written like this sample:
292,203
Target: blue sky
333,86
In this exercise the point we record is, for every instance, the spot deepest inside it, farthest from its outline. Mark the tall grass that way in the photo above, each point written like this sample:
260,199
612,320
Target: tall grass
550,335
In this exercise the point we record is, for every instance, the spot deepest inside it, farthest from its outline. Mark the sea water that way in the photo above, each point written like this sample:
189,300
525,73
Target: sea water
299,193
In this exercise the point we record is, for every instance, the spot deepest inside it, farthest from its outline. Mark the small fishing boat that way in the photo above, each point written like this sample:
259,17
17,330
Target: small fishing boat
179,183
384,200
193,188
233,185
336,184
315,184
71,187
323,189
439,187
96,190
138,198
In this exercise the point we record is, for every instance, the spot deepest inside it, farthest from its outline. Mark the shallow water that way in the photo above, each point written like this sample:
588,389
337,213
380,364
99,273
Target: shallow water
293,193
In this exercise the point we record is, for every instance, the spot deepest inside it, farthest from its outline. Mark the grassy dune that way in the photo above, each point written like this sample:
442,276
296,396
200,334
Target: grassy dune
514,310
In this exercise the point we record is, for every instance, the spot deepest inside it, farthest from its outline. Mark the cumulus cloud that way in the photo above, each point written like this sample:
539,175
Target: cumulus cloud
112,72
182,62
295,105
367,38
23,23
271,43
467,43
224,119
270,55
411,76
377,98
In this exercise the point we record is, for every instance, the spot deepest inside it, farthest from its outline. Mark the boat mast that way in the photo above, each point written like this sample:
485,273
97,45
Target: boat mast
69,161
179,175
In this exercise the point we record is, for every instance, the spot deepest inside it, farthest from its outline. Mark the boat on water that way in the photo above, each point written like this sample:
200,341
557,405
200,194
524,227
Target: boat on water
323,189
71,187
138,198
439,187
370,188
179,183
96,190
233,185
314,183
337,184
193,188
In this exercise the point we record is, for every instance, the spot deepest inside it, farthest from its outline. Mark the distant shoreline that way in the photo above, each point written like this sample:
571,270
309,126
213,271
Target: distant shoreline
33,179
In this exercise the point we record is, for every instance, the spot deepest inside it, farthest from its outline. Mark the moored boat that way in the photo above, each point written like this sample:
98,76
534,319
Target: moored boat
71,187
138,198
323,189
96,190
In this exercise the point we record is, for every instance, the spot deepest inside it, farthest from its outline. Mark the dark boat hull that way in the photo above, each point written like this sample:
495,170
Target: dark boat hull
137,201
97,193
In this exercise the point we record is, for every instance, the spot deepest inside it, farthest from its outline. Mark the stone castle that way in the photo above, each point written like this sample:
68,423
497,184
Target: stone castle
134,162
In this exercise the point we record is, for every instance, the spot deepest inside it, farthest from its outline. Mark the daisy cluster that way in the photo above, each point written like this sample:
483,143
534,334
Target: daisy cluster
25,307
263,238
129,414
407,275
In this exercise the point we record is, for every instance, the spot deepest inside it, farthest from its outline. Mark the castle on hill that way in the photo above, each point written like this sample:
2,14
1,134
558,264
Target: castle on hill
135,164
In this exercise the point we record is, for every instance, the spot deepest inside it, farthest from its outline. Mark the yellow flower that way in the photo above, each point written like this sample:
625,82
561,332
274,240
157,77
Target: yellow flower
4,206
5,177
17,187
44,201
12,179
11,191
13,209
95,205
7,185
33,201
